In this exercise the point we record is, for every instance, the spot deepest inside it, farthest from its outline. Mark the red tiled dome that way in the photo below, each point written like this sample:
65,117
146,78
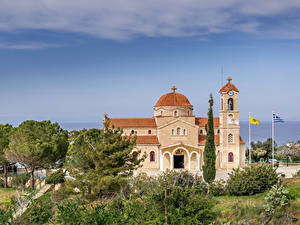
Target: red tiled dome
173,99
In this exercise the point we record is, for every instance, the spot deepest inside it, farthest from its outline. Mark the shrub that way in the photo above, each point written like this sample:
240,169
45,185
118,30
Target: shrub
297,174
252,179
20,180
218,188
56,177
276,199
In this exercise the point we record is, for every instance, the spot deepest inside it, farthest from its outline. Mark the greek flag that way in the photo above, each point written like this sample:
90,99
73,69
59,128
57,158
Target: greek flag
277,119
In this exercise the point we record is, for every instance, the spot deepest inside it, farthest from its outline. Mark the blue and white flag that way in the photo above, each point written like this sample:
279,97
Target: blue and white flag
277,119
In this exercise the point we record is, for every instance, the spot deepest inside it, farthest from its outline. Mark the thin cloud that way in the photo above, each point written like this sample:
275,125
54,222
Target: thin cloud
126,19
28,46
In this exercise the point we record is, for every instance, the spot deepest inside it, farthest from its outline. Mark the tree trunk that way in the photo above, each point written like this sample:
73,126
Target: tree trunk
32,178
5,176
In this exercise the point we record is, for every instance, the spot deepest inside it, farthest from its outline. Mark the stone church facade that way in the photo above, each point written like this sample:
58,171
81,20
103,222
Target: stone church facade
174,138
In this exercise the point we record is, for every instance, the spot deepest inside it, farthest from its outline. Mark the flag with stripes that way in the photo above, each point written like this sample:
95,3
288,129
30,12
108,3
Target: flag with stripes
277,119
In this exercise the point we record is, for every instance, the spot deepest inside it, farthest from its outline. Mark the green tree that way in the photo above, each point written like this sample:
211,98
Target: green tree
37,145
99,160
262,150
209,168
5,132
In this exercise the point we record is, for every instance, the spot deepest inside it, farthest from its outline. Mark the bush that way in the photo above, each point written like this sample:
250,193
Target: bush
20,180
253,179
276,199
218,188
57,177
297,174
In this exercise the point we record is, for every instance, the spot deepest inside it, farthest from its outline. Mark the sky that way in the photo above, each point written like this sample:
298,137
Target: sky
74,60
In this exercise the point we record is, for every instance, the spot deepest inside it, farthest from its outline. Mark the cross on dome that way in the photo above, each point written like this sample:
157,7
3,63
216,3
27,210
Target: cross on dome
229,79
174,89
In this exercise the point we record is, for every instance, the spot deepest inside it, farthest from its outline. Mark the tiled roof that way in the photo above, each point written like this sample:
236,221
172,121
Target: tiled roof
202,139
173,99
132,122
147,139
202,121
241,141
227,87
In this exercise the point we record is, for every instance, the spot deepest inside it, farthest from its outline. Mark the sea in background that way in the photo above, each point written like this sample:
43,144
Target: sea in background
284,132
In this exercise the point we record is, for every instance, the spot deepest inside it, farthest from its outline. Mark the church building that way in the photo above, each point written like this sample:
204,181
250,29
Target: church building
174,138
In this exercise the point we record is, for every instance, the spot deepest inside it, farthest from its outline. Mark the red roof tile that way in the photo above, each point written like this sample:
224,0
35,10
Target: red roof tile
173,99
227,87
241,141
202,139
202,121
132,122
147,140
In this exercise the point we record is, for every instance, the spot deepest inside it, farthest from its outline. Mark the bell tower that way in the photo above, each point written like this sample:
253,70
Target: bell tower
229,126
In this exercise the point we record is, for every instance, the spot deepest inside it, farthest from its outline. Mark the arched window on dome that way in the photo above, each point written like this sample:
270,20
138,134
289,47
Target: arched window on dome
161,112
178,131
152,156
230,104
230,157
188,113
230,138
175,113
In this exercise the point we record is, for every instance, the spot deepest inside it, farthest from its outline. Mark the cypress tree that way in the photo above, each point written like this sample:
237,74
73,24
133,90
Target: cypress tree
209,168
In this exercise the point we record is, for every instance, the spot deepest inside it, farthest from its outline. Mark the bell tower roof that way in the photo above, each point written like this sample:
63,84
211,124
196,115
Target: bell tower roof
229,86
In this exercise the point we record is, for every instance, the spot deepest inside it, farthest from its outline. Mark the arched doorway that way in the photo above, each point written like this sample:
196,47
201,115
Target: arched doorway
179,159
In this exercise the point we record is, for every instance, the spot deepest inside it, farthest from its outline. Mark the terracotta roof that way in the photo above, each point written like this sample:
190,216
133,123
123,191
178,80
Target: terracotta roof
202,121
132,122
202,139
173,99
241,141
229,86
147,139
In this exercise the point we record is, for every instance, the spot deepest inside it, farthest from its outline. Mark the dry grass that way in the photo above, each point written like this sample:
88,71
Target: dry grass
6,194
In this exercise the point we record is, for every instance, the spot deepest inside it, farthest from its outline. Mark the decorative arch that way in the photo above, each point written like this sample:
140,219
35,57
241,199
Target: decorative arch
186,151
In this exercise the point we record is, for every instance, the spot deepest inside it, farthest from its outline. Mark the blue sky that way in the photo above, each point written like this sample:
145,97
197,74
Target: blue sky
76,60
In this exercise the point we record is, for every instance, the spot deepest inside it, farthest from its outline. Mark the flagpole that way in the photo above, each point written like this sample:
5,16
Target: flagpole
249,140
273,137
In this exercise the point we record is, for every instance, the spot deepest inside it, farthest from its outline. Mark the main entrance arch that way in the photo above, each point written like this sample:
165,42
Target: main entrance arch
179,159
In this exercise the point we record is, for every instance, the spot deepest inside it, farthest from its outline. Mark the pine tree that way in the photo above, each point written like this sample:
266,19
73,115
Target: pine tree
101,160
209,168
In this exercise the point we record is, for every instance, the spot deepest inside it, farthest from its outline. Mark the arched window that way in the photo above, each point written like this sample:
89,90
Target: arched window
135,155
184,131
178,131
218,131
230,119
152,156
230,138
230,157
201,131
149,131
230,104
176,113
161,113
172,132
132,131
222,104
188,113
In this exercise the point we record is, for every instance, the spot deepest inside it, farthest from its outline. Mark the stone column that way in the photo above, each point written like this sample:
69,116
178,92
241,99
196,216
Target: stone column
171,162
161,166
198,162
